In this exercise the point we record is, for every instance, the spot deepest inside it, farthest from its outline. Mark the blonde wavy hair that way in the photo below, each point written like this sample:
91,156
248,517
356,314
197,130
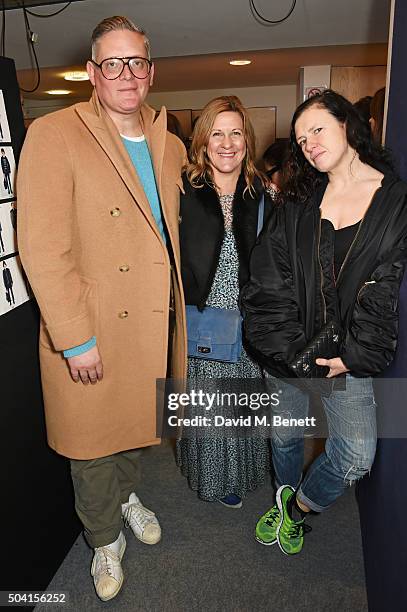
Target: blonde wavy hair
199,170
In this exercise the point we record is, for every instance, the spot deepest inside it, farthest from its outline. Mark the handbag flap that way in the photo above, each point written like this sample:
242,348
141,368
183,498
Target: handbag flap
325,344
219,325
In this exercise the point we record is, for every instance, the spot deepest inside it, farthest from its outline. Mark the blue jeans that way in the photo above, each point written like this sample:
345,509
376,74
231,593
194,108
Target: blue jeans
349,449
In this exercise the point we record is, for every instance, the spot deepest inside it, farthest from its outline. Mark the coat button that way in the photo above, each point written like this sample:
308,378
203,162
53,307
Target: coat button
115,212
123,314
124,268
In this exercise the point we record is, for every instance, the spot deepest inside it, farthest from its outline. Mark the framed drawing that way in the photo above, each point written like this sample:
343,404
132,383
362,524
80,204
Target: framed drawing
4,126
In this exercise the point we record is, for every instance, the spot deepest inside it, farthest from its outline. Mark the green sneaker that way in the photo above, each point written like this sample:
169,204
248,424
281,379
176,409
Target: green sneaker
290,533
267,525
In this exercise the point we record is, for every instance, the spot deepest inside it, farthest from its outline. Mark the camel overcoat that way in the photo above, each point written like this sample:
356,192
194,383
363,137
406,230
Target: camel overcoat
99,267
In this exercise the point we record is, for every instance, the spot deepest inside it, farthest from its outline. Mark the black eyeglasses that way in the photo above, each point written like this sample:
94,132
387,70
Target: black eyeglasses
112,67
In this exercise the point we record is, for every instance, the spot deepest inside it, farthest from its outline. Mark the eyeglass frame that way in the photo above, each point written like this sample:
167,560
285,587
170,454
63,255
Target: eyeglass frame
149,62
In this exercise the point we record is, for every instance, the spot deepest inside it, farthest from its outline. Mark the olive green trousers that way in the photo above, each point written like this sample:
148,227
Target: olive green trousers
101,486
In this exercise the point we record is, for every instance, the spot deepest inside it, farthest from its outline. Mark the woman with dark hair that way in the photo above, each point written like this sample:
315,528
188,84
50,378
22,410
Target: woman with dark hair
363,108
219,225
333,256
273,160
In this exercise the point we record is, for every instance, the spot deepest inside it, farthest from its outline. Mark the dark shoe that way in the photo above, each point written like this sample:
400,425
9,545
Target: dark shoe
231,501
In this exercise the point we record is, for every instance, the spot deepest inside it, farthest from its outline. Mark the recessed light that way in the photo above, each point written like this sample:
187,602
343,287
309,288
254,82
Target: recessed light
240,62
76,75
58,92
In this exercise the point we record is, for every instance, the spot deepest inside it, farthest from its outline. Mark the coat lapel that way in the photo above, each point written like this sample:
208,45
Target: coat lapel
155,133
105,132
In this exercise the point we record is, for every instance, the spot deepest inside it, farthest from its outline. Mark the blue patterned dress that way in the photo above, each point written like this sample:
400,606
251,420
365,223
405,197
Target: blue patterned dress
216,465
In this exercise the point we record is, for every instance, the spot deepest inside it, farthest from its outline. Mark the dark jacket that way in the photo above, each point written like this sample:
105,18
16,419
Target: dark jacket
7,278
202,231
13,218
5,165
292,291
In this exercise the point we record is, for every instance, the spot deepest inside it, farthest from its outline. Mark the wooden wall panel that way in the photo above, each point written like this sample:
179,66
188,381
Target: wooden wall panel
264,124
357,81
185,118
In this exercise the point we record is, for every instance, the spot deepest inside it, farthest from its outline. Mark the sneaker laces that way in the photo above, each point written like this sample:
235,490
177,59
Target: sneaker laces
296,530
105,561
272,516
138,513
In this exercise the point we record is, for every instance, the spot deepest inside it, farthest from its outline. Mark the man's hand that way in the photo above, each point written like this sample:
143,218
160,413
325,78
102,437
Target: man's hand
335,365
87,367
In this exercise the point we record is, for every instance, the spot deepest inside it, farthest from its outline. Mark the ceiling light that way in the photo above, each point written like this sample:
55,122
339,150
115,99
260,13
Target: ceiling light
76,75
240,62
58,92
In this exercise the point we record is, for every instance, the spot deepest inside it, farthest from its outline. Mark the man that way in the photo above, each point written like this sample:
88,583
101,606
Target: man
13,215
5,166
99,187
8,284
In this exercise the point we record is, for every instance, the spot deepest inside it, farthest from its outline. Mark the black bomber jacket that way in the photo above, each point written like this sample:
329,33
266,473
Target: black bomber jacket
292,291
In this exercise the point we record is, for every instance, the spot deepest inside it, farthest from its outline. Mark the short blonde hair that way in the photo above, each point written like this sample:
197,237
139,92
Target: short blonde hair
199,170
113,24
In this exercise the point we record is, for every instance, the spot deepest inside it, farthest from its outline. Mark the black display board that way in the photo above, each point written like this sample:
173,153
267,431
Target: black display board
383,497
36,510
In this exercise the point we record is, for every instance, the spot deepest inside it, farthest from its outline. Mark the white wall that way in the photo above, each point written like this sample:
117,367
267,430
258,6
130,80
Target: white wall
312,77
36,108
281,96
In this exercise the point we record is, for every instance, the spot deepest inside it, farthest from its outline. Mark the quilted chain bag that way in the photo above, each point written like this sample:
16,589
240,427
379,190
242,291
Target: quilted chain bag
325,344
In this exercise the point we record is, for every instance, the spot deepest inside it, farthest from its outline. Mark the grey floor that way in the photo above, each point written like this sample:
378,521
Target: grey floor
208,559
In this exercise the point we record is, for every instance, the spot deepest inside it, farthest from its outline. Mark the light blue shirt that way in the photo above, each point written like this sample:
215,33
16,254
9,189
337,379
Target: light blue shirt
140,156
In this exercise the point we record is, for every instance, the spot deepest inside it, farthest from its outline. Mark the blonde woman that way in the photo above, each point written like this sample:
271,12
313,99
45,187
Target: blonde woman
220,215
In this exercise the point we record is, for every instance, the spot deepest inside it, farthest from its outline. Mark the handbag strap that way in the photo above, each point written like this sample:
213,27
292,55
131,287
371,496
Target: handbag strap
260,216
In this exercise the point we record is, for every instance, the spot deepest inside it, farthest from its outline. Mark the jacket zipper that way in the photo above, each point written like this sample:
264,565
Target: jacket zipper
320,267
372,282
356,236
349,250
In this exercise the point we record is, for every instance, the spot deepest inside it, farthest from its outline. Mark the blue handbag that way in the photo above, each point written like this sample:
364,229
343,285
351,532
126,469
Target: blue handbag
216,333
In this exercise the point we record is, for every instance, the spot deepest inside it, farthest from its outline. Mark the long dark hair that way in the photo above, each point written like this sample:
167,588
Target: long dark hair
300,178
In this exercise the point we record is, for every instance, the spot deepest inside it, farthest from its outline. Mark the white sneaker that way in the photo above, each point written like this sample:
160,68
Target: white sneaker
107,570
143,522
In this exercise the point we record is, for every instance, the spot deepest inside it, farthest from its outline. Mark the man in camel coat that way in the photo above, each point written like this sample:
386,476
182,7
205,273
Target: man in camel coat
99,186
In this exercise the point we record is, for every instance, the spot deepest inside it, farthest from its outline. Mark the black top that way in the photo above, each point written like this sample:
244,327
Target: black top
343,241
340,240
